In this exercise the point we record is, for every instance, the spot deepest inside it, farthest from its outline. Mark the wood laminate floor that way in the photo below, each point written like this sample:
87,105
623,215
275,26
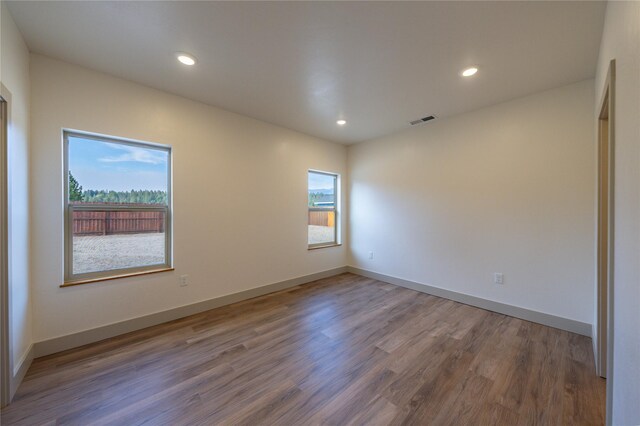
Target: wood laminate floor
345,350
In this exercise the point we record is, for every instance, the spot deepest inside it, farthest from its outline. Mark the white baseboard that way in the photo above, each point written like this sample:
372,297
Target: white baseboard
567,324
594,343
58,344
85,337
74,340
20,371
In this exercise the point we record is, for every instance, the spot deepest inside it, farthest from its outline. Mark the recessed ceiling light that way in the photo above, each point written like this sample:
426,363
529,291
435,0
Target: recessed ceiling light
469,71
341,122
186,59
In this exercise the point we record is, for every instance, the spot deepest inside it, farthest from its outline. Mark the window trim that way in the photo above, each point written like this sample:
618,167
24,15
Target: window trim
335,210
70,278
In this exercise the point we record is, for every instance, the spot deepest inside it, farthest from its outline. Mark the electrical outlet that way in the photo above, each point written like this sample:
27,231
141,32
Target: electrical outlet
371,255
184,280
498,278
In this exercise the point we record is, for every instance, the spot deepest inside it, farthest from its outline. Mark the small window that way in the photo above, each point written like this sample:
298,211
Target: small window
323,209
117,207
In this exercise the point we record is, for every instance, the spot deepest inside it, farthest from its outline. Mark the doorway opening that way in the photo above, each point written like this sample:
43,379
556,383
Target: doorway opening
5,381
605,224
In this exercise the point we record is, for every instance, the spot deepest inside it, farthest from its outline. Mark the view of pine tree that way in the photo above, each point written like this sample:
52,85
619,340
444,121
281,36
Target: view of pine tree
125,197
142,196
75,189
315,197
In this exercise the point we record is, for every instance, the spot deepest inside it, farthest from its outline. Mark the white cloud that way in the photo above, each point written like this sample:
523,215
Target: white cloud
135,154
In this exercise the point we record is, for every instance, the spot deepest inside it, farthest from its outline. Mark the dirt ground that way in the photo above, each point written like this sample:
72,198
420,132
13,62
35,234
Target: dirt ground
320,234
106,252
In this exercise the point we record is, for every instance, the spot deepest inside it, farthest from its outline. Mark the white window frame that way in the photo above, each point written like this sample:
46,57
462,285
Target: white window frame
71,278
335,209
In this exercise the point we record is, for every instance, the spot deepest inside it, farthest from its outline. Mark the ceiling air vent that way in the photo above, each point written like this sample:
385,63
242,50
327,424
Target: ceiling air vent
422,120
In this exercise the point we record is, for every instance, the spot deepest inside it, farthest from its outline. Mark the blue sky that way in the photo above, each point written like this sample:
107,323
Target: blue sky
111,166
320,181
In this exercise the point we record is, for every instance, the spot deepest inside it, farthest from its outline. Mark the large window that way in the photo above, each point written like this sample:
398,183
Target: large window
323,209
117,207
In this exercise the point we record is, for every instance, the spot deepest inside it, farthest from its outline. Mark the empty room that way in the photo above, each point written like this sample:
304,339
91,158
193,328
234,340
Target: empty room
305,213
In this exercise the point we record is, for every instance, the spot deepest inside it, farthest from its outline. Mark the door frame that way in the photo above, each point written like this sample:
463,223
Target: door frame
5,294
605,234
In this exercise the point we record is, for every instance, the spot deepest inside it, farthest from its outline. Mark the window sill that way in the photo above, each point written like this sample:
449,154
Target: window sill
114,277
323,246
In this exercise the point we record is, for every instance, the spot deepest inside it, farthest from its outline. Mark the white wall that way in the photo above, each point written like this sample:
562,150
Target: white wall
508,188
14,75
621,41
239,192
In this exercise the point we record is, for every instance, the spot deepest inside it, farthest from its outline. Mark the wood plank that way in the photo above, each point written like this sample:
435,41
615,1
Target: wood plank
341,350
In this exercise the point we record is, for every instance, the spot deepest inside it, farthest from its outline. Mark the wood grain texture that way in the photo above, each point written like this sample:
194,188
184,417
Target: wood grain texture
345,350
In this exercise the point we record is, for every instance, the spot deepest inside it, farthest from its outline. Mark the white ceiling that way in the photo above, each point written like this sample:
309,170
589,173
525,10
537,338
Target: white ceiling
303,65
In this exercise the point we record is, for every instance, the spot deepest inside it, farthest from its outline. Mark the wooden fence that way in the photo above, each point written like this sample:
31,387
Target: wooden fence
322,218
117,222
134,222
